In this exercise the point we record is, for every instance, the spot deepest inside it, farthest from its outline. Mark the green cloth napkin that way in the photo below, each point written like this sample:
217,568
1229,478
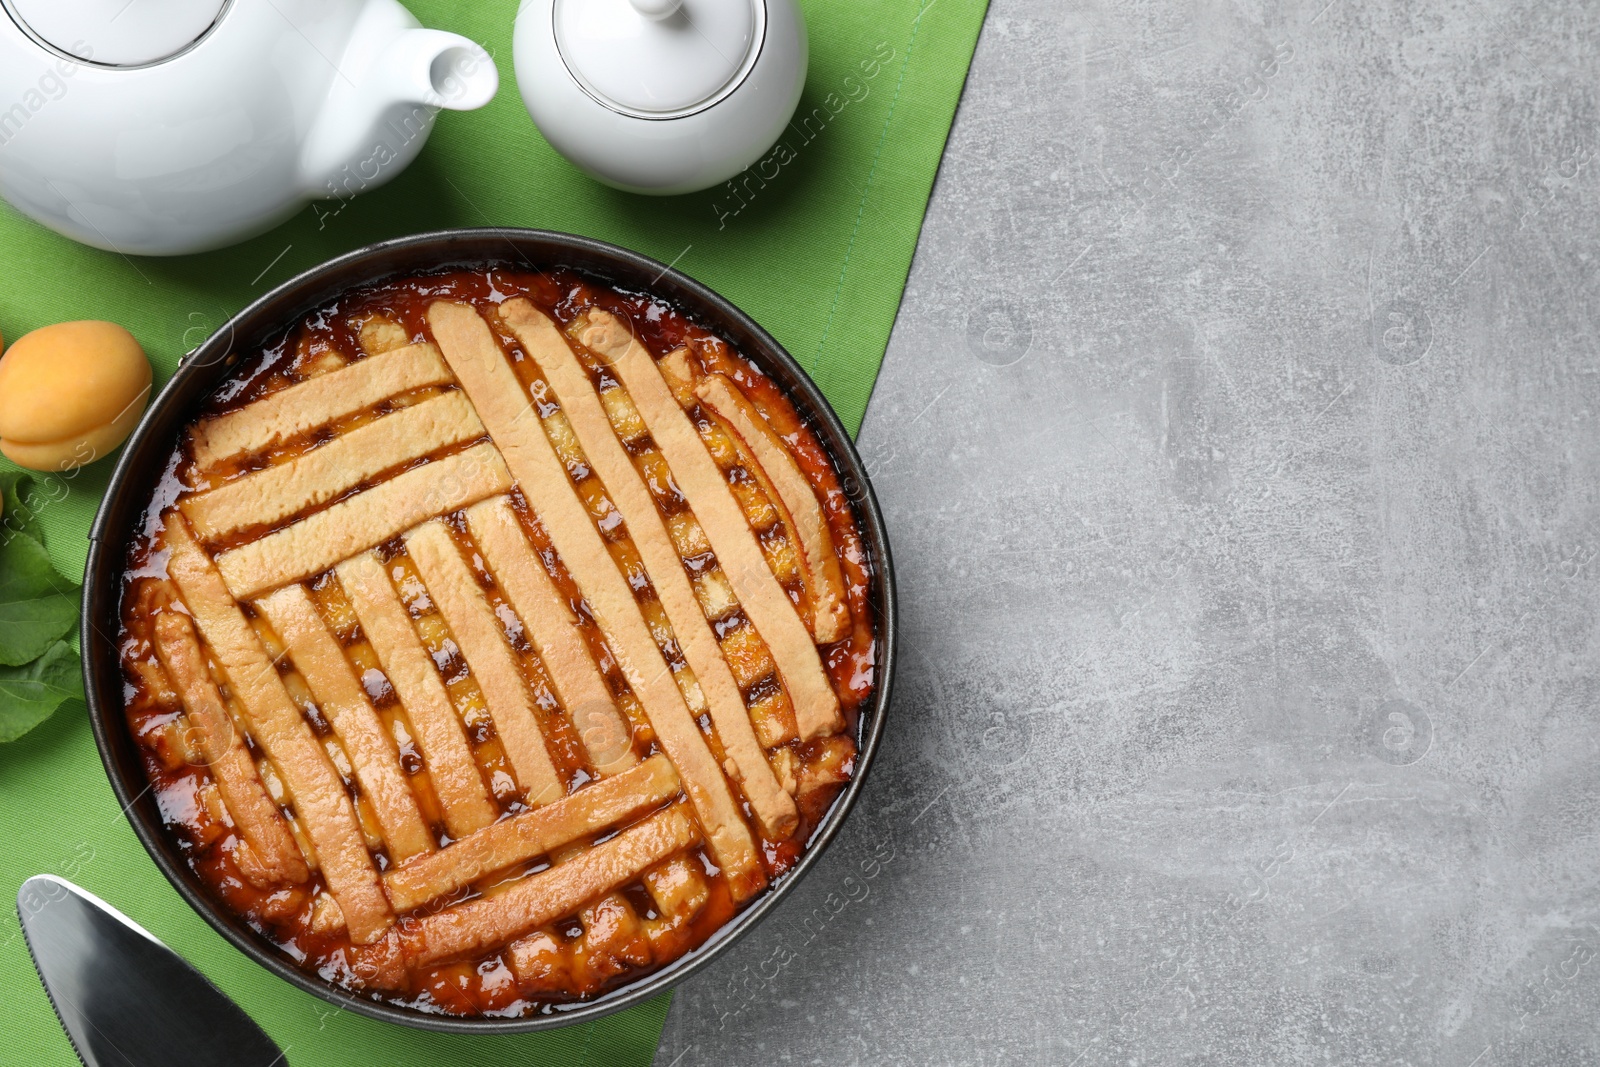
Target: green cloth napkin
815,245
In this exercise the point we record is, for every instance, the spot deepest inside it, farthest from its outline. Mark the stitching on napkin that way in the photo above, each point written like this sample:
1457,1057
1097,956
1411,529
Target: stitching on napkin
861,208
588,1044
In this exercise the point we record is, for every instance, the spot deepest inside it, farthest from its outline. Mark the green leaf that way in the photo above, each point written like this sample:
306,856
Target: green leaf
29,695
19,516
37,605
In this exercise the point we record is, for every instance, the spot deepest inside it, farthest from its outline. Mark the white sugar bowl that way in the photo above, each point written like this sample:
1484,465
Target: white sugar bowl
661,96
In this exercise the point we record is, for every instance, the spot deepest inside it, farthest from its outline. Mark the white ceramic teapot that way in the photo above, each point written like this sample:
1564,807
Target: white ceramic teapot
661,96
159,127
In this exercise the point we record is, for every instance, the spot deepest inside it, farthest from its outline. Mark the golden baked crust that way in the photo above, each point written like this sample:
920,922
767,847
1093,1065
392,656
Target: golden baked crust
518,662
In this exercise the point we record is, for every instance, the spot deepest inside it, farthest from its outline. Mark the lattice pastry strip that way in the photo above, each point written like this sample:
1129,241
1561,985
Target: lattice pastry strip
308,405
314,786
344,703
272,846
497,846
366,520
764,509
539,899
800,510
543,342
553,630
305,481
608,519
702,484
531,834
746,654
478,363
478,633
456,778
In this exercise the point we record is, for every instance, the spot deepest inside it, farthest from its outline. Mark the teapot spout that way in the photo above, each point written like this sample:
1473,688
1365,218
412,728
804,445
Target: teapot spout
392,80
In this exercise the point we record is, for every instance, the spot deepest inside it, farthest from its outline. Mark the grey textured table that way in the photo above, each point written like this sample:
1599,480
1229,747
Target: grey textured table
1238,444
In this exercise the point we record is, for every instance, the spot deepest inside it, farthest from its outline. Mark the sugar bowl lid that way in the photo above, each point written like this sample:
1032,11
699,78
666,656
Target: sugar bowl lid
116,33
659,59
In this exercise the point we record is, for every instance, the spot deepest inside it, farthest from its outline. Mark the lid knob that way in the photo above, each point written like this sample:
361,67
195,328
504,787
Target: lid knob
658,58
657,9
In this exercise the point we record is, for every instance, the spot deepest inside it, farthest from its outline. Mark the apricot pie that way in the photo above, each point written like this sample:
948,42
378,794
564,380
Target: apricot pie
494,638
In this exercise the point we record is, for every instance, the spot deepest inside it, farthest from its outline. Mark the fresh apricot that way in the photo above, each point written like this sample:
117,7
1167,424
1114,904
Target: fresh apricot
70,394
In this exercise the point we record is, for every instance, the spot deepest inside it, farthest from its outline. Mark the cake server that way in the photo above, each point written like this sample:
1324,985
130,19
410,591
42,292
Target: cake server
124,998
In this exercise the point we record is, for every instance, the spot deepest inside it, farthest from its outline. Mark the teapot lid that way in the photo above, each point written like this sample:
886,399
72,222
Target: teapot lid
659,59
117,33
